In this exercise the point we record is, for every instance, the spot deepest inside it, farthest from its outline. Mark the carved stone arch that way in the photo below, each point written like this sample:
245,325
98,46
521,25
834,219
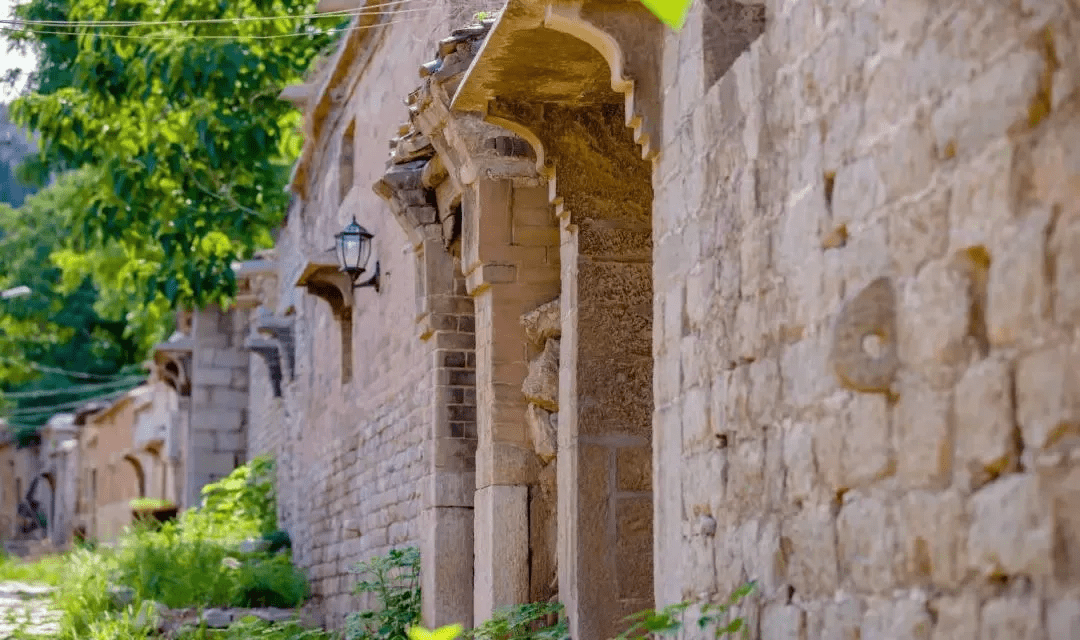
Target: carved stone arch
626,35
140,473
173,362
591,112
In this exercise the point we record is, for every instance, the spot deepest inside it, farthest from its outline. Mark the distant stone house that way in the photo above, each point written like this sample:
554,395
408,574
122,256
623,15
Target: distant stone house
787,296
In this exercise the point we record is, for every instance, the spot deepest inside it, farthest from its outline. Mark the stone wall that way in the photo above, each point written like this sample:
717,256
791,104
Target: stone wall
866,309
352,431
216,432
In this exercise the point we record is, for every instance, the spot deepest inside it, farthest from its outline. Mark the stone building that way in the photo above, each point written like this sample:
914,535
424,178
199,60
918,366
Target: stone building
787,296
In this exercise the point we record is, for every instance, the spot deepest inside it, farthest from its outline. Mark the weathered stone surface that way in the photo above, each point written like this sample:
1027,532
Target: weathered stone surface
923,433
1048,396
934,316
543,322
1010,534
932,537
542,432
866,542
1018,298
541,386
957,617
985,442
864,339
1011,619
217,618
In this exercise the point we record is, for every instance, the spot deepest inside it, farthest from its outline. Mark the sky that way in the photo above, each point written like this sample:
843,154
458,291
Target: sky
9,59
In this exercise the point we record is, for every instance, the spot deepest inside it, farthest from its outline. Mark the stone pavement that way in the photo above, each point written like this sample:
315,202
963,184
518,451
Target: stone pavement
26,610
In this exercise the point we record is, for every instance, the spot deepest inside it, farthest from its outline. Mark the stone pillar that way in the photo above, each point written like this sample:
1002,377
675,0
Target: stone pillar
447,324
605,383
215,438
509,248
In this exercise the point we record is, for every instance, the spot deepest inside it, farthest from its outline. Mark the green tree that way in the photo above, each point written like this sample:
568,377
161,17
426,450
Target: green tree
64,343
181,129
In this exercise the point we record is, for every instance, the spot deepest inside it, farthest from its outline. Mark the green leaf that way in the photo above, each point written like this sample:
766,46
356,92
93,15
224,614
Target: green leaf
671,12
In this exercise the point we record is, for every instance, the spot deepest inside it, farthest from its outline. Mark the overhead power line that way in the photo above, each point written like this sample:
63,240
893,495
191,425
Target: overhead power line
79,388
64,406
173,36
81,375
359,11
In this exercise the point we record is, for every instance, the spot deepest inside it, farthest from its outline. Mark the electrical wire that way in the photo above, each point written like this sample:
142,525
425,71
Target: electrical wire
359,11
309,34
41,393
55,408
67,372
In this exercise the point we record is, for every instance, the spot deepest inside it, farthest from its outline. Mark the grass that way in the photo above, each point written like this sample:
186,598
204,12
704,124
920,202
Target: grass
193,562
49,570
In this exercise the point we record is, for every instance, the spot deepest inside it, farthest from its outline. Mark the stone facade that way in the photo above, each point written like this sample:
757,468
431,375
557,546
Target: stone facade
784,297
811,264
863,319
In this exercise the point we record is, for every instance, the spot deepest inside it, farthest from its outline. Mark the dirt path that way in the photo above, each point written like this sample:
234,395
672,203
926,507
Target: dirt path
26,611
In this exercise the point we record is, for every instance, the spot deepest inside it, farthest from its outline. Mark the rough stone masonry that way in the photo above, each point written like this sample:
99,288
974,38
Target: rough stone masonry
838,239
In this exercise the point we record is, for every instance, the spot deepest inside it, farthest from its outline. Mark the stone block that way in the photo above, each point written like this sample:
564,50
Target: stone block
447,566
1010,533
923,434
1063,618
1011,618
982,202
985,445
867,451
634,469
501,540
1018,295
858,190
866,543
934,316
1001,94
863,355
798,452
1065,248
919,232
543,323
842,619
542,432
746,475
957,617
541,386
932,537
905,619
808,541
783,622
633,564
1048,396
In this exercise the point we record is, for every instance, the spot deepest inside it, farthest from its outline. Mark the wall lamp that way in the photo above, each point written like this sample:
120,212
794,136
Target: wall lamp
354,251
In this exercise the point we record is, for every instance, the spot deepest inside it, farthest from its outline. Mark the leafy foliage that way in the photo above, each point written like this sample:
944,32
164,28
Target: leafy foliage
254,628
394,581
181,128
239,506
668,621
524,622
64,324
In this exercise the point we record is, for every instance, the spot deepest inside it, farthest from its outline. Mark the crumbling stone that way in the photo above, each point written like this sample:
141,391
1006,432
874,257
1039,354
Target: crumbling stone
542,432
541,386
543,322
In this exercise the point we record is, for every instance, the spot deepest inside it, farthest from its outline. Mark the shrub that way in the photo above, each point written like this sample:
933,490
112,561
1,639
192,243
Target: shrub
394,581
524,622
269,582
252,627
